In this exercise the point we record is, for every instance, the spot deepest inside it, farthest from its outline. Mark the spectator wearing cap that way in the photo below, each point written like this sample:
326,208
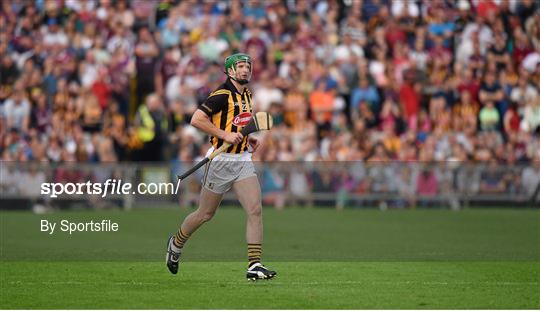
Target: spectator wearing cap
54,35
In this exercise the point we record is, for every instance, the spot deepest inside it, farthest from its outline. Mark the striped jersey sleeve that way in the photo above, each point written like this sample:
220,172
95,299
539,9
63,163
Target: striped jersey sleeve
214,103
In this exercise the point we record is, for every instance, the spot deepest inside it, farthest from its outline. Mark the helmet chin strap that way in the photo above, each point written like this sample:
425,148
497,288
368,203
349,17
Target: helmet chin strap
241,81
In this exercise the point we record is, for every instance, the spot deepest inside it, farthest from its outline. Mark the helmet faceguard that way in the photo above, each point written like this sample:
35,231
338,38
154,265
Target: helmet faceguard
235,59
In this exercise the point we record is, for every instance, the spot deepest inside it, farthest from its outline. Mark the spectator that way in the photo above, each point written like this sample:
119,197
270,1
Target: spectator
522,46
17,111
322,183
151,128
492,180
489,117
523,93
211,45
115,128
54,36
490,89
406,186
273,186
266,92
170,35
441,26
532,28
410,100
146,53
498,52
8,74
467,111
365,94
41,115
531,115
166,69
322,107
427,184
380,175
511,120
530,178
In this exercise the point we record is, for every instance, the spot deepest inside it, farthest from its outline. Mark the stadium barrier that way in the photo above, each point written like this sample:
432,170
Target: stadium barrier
325,184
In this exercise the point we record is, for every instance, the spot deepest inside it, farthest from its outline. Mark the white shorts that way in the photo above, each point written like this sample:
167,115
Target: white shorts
226,169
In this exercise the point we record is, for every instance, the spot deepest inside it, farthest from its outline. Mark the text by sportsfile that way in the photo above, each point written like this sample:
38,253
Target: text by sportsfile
105,225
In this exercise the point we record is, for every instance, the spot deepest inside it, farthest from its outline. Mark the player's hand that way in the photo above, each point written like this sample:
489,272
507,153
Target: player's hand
233,138
254,143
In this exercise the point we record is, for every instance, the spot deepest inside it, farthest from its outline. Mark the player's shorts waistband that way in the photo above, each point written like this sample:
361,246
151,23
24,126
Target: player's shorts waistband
244,156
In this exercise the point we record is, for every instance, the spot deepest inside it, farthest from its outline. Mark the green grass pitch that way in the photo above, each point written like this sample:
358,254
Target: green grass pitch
354,259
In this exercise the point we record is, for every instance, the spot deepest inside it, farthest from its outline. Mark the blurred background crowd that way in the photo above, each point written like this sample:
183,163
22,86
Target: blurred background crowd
345,80
349,80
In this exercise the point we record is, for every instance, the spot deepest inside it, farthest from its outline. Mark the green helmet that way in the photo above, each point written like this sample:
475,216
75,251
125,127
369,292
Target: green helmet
232,60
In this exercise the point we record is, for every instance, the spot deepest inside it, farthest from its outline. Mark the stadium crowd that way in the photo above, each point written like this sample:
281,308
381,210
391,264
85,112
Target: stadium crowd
371,80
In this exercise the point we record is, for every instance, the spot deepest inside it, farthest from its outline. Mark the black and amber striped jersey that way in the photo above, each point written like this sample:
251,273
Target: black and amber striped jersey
230,111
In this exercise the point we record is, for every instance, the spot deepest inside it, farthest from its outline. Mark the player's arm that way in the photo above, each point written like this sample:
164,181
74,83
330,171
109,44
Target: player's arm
201,120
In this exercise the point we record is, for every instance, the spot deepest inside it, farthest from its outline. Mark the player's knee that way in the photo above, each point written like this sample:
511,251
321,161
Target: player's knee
205,216
255,211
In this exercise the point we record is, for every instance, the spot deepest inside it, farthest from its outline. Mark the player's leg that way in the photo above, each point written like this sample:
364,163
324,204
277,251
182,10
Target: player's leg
248,192
208,204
